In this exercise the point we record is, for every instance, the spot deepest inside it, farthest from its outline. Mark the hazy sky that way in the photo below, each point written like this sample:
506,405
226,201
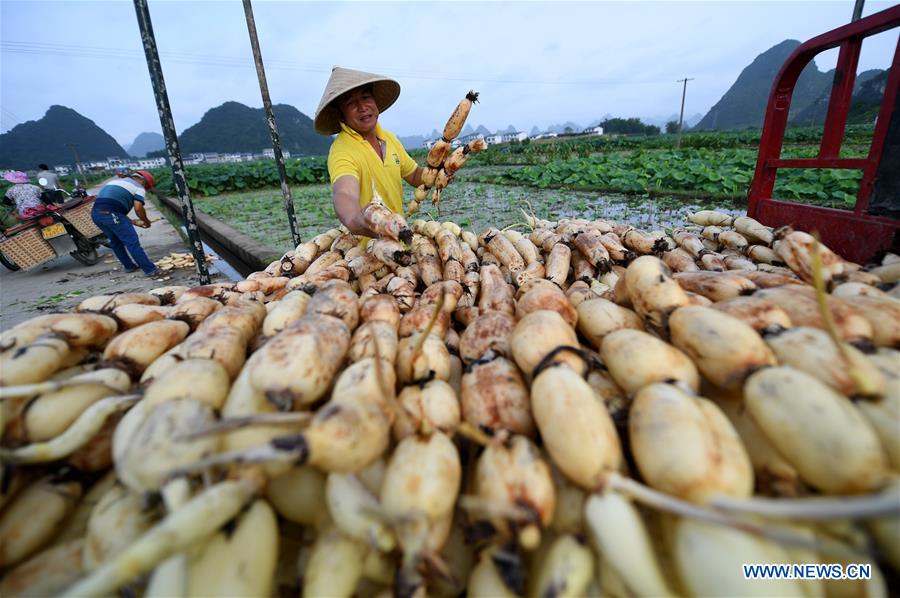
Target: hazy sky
535,63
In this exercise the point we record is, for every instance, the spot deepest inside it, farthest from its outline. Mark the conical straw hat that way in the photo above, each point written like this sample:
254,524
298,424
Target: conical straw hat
328,116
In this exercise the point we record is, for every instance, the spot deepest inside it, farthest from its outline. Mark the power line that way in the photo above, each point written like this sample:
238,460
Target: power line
10,118
102,50
41,48
9,115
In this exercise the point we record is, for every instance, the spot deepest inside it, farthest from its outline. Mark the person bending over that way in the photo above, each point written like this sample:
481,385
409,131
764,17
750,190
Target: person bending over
110,213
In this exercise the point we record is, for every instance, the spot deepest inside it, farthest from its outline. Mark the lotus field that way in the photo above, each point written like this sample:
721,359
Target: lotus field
644,180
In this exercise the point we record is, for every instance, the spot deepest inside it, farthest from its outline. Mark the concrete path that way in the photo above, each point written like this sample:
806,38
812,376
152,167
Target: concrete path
60,284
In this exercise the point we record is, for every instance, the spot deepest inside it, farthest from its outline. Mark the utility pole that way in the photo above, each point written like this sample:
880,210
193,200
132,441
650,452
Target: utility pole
681,116
72,147
270,120
168,128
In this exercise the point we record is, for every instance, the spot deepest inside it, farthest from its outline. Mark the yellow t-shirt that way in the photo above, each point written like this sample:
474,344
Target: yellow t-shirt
352,155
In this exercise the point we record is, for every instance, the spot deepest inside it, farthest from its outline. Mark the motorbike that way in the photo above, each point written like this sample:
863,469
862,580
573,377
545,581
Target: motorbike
67,229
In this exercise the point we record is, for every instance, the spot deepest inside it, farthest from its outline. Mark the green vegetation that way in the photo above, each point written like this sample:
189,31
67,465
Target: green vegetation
628,126
260,213
714,173
7,219
88,179
52,300
213,179
643,180
541,152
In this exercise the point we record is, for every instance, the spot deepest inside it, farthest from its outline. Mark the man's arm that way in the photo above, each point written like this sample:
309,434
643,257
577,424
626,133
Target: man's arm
142,214
415,177
345,195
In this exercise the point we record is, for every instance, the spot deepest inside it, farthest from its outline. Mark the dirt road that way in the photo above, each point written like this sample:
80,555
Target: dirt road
63,283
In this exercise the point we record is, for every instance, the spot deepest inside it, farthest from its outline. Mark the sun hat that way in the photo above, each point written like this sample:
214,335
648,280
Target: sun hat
328,116
15,176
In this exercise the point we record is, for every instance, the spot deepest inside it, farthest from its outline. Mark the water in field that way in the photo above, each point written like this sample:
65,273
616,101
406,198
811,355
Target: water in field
474,206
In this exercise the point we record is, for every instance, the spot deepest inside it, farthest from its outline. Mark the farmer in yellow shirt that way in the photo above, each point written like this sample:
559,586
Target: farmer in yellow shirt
363,154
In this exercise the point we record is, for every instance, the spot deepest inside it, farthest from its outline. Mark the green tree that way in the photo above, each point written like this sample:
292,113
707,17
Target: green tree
628,126
672,127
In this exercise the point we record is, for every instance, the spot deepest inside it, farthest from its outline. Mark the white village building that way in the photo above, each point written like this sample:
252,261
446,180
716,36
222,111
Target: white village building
151,162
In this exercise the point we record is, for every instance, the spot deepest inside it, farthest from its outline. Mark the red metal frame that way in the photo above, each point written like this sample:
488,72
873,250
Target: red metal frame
855,234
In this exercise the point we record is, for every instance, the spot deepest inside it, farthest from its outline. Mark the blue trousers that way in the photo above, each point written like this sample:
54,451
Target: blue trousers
123,240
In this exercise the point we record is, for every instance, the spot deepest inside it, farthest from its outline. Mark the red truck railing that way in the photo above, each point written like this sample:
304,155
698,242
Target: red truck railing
856,234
